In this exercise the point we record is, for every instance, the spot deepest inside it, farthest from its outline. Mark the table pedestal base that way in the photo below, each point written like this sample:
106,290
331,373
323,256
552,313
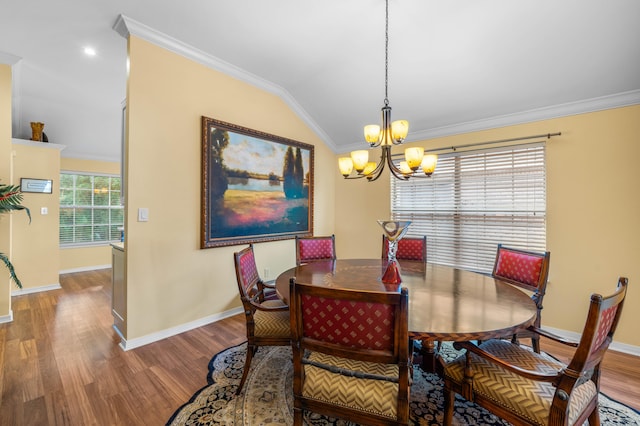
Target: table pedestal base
427,357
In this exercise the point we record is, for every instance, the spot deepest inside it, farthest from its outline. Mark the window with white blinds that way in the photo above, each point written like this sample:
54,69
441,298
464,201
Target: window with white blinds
475,200
91,211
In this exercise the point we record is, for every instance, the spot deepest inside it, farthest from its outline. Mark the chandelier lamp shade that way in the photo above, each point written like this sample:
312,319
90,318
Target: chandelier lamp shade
391,133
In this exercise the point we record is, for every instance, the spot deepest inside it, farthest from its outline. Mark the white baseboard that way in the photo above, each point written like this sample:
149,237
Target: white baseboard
615,346
85,269
23,291
154,337
6,318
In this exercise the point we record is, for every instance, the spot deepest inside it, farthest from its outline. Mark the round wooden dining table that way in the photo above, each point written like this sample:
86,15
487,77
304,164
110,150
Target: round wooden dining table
445,303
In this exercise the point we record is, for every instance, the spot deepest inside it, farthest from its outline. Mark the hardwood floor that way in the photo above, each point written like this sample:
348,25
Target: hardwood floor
60,363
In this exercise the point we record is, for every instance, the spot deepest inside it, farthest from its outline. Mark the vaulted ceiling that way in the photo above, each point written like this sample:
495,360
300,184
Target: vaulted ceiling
454,66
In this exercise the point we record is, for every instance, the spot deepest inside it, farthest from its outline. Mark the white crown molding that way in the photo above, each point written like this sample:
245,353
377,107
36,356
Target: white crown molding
9,59
539,114
126,26
556,111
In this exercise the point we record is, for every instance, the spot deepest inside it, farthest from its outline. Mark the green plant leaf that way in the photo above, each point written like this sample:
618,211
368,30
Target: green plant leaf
12,271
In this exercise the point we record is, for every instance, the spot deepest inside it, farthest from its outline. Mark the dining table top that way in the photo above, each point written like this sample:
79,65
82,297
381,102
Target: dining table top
445,303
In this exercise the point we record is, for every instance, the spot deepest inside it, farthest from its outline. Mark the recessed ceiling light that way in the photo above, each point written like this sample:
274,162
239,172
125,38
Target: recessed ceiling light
90,51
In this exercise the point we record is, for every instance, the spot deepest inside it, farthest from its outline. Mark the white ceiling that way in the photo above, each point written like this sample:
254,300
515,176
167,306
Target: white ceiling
453,65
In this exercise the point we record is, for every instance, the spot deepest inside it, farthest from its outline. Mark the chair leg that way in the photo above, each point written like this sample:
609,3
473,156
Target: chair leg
514,339
535,344
449,401
297,417
594,417
251,350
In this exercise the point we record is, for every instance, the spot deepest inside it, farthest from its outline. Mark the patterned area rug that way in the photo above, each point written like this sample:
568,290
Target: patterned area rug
268,398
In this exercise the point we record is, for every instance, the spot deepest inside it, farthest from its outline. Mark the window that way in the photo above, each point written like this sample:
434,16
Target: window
90,209
475,200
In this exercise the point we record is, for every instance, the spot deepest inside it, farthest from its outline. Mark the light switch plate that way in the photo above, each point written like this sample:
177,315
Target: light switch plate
143,214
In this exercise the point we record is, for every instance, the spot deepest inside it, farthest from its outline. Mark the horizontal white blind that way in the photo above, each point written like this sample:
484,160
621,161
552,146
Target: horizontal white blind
90,209
475,200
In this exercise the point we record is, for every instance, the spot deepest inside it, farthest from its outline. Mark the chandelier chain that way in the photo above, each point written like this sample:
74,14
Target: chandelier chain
386,55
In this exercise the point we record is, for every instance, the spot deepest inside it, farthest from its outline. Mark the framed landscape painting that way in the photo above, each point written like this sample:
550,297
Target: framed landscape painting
255,186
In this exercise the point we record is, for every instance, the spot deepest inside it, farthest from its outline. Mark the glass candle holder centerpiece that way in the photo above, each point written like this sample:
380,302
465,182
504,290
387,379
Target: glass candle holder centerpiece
394,230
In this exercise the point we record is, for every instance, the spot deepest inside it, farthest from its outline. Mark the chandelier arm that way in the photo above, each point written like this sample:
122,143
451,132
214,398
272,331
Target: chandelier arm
377,172
372,177
357,176
393,168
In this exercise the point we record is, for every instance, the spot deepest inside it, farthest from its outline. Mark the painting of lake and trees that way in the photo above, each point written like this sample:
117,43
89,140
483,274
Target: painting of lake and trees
256,186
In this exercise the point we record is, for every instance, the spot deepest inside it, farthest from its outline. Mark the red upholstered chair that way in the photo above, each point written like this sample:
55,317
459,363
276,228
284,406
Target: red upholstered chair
267,320
524,387
313,249
409,248
528,270
351,355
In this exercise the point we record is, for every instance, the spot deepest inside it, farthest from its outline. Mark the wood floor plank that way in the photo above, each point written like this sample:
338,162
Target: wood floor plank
61,364
37,409
58,412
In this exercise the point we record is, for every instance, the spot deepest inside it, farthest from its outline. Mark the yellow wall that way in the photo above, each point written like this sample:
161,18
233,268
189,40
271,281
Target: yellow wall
170,280
36,254
82,258
91,166
593,211
75,259
5,176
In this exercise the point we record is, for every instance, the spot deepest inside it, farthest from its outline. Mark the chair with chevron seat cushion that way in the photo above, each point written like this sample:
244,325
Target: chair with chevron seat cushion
351,355
267,319
314,249
409,248
525,387
528,270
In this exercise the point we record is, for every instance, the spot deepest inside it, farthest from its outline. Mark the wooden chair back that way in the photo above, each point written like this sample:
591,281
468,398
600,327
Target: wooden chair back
247,277
409,248
345,343
525,387
267,318
313,249
528,270
602,320
523,268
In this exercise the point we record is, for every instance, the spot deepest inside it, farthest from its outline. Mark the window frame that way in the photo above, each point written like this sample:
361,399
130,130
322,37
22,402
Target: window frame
114,202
